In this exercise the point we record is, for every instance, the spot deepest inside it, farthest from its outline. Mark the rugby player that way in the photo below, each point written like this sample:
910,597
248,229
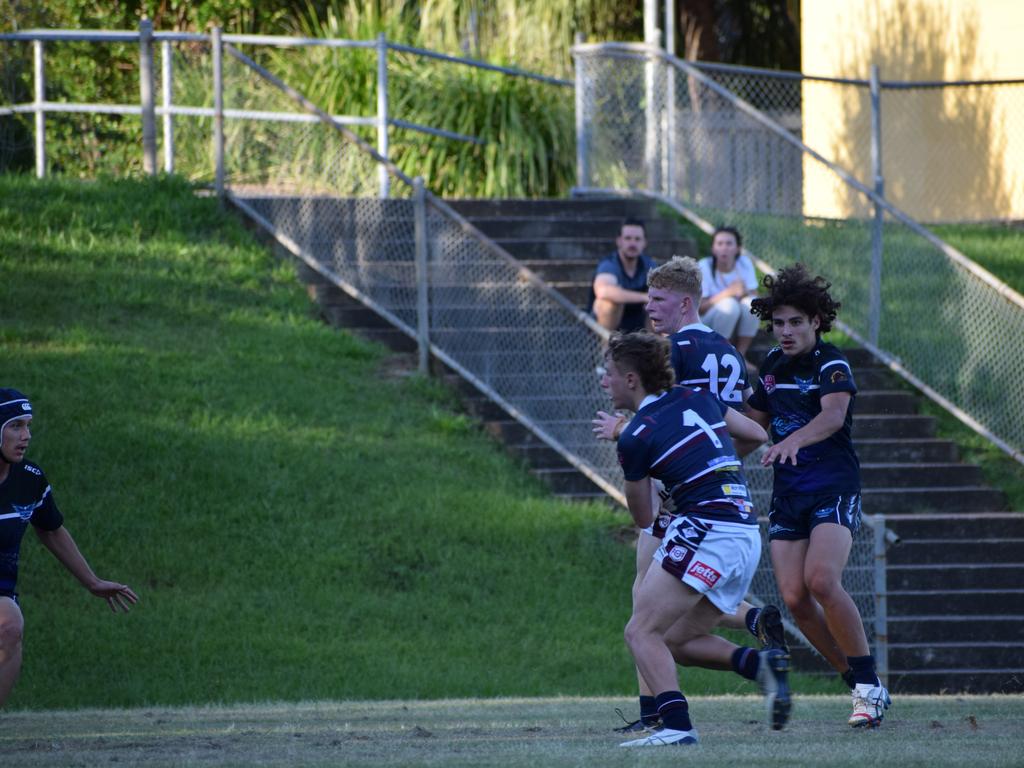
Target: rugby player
805,396
25,497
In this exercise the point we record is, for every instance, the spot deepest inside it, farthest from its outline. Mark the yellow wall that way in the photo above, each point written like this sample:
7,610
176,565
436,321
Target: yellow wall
955,154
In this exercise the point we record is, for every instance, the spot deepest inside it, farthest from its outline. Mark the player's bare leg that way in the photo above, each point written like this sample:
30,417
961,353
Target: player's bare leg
825,559
788,563
11,628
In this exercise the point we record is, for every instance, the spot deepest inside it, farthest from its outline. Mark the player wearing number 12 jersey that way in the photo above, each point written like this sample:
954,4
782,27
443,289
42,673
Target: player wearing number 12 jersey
700,358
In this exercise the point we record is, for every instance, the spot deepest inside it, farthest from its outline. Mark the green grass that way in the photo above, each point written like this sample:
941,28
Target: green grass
918,732
298,524
999,248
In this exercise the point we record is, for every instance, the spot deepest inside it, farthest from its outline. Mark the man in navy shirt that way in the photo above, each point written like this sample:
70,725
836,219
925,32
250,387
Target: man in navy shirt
681,436
700,358
25,497
805,394
620,283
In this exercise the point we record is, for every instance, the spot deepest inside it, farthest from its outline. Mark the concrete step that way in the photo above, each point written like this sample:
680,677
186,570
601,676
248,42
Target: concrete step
563,270
566,480
592,249
1007,681
880,451
545,227
962,602
955,576
956,656
916,475
984,628
872,378
872,426
913,501
885,402
562,208
986,550
959,526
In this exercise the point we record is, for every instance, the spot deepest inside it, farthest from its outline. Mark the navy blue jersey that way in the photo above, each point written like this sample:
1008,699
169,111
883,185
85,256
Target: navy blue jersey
790,390
634,316
24,497
681,439
705,359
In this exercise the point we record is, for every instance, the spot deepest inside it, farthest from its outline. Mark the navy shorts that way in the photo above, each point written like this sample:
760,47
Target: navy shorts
792,518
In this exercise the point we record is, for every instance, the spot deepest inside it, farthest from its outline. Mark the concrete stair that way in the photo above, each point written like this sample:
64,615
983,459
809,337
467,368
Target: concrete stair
956,580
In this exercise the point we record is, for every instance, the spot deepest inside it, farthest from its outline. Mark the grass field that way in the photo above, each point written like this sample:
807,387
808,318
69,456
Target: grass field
302,519
919,732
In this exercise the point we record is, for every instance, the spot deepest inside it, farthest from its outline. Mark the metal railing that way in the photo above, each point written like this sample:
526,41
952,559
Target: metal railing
189,57
928,312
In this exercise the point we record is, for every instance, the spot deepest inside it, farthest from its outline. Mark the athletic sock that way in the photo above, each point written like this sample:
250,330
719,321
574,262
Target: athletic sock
847,677
745,662
751,620
863,669
674,711
648,710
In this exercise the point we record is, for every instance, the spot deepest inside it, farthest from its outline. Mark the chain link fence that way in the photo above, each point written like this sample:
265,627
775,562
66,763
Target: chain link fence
924,308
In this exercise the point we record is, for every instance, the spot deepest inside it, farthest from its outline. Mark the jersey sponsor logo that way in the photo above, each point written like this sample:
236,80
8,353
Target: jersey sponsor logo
804,385
838,376
705,573
776,528
718,460
769,383
34,470
734,489
24,512
26,407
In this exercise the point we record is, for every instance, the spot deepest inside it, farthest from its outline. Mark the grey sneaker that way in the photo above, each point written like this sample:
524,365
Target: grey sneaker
664,737
773,677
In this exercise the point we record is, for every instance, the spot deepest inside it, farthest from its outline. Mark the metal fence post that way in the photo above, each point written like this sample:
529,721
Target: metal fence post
382,112
652,116
670,100
146,97
166,81
422,276
875,292
582,123
881,601
40,88
218,112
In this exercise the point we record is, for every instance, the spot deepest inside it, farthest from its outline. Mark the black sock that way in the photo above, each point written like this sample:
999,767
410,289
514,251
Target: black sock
674,711
751,620
745,662
848,679
863,669
648,710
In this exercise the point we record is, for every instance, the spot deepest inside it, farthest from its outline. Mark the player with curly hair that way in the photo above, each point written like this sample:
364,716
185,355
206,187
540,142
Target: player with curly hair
805,397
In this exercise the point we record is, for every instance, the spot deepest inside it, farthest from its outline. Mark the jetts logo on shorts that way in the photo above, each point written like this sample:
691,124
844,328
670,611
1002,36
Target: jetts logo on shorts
769,383
704,572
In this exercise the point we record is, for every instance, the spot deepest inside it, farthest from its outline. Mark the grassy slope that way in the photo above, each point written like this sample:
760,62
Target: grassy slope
297,525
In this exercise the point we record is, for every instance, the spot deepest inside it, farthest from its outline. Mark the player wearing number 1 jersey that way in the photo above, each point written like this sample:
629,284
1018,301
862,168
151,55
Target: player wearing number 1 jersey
700,358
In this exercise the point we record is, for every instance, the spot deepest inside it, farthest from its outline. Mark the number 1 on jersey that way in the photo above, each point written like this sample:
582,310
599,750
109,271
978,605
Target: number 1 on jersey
692,419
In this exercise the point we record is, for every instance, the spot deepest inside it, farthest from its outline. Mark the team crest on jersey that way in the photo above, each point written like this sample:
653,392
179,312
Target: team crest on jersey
838,375
804,384
769,383
676,554
25,513
705,573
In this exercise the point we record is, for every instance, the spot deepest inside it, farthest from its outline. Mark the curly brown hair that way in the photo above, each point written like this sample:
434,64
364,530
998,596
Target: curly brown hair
794,287
647,355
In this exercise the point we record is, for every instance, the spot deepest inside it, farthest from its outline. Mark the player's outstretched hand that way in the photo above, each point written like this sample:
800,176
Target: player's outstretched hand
781,452
118,596
605,425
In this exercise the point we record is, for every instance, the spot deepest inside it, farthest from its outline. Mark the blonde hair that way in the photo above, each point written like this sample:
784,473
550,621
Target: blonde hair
680,274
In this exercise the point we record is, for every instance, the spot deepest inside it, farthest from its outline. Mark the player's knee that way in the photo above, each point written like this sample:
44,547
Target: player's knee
633,632
823,585
798,602
11,633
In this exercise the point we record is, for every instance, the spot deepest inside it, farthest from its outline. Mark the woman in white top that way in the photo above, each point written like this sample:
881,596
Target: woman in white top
729,285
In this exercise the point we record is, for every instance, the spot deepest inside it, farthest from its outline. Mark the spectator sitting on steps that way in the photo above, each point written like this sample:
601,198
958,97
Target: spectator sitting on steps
620,282
730,285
